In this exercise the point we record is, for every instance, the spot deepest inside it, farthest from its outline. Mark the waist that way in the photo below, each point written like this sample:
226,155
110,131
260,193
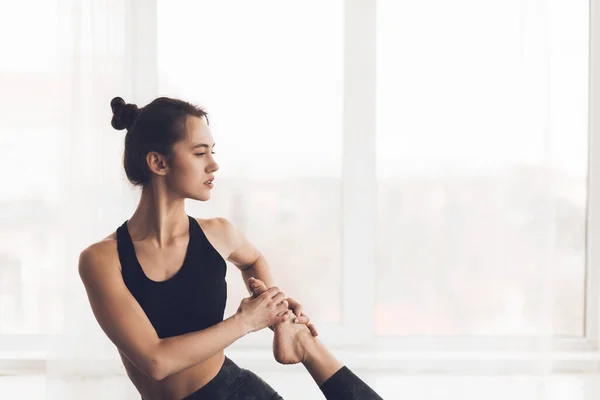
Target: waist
186,382
225,383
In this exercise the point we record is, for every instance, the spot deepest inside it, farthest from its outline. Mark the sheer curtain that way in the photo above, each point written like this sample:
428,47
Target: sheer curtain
93,193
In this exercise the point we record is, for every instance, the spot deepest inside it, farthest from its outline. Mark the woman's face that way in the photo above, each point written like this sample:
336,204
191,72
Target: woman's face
192,166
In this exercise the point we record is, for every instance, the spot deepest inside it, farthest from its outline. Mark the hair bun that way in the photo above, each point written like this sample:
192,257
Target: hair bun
123,114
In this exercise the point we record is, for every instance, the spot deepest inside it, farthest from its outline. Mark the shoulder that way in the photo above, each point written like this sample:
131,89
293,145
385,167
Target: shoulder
220,228
100,258
230,242
221,233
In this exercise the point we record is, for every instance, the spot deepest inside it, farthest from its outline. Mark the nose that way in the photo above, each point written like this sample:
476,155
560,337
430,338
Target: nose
213,166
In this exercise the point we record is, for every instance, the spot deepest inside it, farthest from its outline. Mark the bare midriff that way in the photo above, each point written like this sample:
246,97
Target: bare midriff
178,385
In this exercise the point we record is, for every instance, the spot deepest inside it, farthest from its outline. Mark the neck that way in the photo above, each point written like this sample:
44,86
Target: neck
158,217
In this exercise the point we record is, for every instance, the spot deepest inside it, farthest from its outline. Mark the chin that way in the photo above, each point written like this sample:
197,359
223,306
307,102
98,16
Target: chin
204,197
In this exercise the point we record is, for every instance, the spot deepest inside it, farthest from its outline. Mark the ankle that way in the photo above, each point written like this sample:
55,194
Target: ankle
320,363
310,347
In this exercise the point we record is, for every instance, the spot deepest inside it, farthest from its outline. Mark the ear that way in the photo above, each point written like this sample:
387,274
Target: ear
157,163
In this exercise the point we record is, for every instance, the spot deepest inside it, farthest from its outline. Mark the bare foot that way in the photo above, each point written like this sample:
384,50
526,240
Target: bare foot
288,347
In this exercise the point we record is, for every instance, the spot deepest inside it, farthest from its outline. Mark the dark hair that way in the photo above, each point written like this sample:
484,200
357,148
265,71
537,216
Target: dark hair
155,127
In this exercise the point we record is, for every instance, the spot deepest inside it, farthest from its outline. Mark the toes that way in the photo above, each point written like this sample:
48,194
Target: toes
255,290
258,287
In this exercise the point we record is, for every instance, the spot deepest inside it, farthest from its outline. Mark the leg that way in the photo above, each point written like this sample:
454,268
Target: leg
235,383
254,388
293,343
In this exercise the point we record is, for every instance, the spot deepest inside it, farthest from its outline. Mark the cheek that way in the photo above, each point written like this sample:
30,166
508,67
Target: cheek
183,172
193,171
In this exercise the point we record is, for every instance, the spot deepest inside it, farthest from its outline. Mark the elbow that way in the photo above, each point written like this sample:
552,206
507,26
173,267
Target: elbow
156,369
156,372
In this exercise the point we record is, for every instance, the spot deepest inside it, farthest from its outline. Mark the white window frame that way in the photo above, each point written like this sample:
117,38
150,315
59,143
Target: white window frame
355,341
592,311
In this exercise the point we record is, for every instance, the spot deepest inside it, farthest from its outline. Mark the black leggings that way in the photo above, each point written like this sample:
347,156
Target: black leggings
235,383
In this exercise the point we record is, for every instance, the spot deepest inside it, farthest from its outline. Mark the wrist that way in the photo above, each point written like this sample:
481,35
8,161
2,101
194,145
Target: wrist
242,327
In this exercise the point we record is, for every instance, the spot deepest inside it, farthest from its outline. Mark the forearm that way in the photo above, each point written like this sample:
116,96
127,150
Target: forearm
259,270
177,353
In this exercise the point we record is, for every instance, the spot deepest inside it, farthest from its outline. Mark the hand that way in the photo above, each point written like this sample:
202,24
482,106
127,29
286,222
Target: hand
300,317
262,311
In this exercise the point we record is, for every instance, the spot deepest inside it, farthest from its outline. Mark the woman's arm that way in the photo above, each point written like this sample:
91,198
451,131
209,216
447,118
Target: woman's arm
243,254
122,319
258,269
252,263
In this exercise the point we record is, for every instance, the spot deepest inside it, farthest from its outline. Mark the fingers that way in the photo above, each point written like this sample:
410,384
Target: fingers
297,309
271,292
302,320
282,318
306,321
283,306
278,298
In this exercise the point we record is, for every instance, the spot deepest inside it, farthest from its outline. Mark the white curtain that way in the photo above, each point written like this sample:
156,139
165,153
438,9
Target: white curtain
92,69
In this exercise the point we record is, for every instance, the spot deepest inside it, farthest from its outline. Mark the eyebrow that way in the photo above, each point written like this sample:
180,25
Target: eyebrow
203,145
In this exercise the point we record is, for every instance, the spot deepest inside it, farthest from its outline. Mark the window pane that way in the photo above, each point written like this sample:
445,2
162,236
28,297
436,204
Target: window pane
482,166
273,91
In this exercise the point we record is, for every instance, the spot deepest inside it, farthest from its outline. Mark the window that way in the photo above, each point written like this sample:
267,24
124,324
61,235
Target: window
401,182
482,147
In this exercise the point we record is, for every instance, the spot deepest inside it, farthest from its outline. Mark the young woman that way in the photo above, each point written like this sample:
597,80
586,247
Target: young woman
157,284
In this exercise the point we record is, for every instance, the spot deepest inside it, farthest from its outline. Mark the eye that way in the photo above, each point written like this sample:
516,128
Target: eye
201,154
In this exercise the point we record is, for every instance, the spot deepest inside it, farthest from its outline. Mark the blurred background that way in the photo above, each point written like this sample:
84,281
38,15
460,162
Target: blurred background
419,175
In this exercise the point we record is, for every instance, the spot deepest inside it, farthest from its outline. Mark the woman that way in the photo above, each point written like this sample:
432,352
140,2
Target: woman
157,284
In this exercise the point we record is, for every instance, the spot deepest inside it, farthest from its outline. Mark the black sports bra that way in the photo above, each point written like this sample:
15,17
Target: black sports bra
193,299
